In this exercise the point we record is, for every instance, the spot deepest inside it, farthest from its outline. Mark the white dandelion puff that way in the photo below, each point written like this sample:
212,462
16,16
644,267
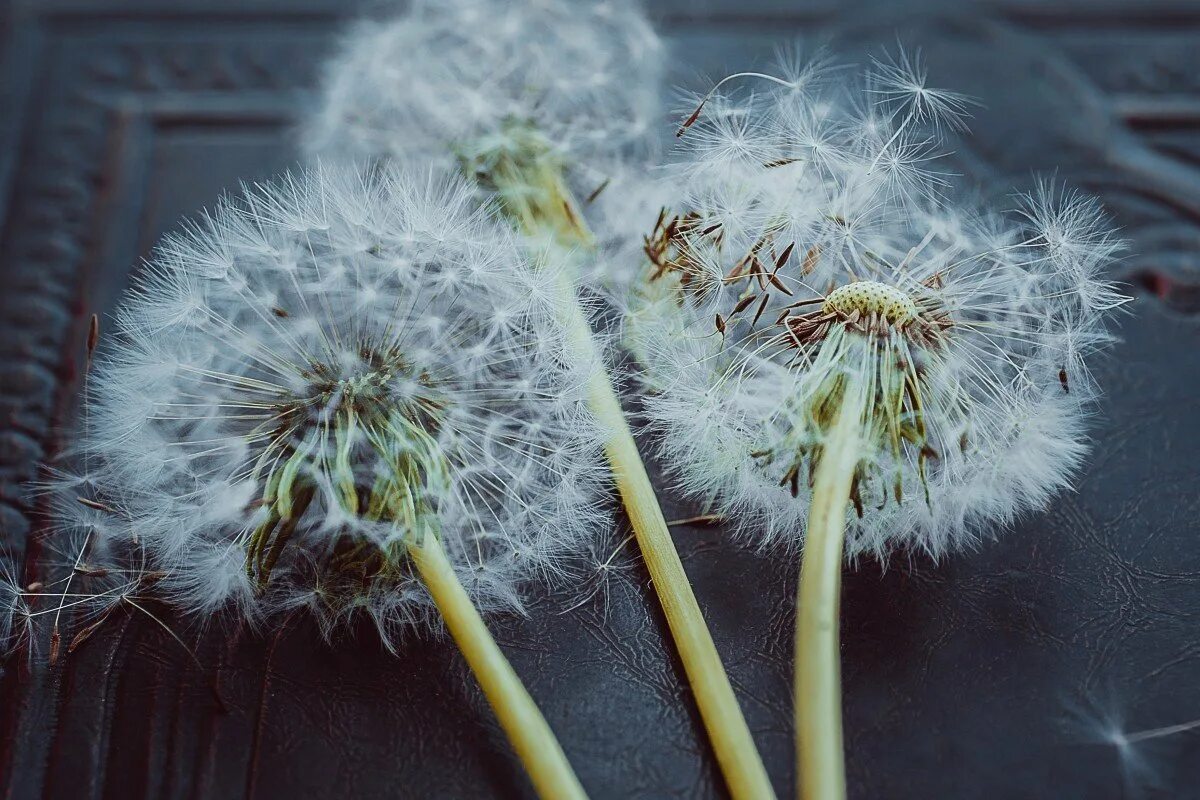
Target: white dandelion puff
551,107
842,358
336,362
482,74
779,281
353,393
521,96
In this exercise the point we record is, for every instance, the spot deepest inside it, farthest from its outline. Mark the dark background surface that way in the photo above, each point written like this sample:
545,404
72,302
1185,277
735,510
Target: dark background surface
116,118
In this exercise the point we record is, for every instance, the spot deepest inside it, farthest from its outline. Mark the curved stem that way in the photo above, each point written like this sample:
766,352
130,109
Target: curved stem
527,730
740,763
818,679
557,220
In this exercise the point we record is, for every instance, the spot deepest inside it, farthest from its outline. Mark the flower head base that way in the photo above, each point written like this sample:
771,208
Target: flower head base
808,263
866,333
527,176
378,408
326,373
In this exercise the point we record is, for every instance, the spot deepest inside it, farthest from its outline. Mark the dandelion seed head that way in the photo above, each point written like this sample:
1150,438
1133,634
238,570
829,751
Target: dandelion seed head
551,108
376,360
481,74
813,252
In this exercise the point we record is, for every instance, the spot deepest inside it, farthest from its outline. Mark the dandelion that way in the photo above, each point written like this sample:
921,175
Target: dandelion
539,104
844,360
353,394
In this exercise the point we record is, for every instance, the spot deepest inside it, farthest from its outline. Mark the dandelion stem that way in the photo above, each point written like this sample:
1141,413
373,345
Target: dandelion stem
745,775
526,728
554,218
818,679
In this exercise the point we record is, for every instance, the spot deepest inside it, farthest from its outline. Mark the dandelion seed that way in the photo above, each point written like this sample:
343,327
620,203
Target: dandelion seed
82,583
93,337
1137,751
699,519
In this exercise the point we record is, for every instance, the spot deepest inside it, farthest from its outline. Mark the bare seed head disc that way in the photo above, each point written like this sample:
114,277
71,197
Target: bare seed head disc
871,298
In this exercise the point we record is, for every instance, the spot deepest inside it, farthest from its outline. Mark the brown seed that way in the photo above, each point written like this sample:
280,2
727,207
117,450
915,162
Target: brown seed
93,336
810,260
690,121
87,501
744,303
762,306
760,274
596,192
569,210
778,284
86,632
662,214
810,302
785,255
720,324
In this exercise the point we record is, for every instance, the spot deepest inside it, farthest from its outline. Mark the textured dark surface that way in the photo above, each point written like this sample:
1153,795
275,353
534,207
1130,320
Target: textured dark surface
118,118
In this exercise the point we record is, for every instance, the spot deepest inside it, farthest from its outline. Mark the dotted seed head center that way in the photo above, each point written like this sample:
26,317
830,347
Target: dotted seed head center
871,297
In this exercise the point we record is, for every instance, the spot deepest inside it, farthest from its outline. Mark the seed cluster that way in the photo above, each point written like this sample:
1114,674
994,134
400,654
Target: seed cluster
362,409
670,250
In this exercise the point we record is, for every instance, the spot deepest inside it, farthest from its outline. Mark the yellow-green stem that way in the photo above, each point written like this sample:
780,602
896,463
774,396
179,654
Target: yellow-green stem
557,219
745,775
527,730
818,680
